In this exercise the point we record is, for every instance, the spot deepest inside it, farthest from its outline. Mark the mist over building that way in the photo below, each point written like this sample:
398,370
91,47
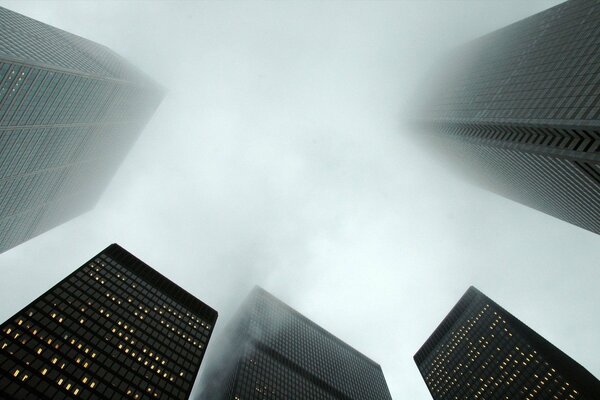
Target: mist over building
481,351
70,110
271,351
518,110
113,329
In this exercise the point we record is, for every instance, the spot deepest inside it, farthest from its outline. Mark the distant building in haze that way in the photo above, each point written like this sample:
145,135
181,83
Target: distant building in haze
481,351
519,110
70,110
273,352
113,329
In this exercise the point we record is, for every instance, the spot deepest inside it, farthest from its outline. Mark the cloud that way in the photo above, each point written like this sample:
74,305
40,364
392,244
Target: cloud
278,158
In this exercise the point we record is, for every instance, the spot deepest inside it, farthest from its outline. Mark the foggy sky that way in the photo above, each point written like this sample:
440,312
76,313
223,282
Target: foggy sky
278,157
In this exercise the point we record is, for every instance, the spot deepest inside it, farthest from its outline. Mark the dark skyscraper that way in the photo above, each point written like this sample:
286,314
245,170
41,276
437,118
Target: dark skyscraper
273,352
113,329
480,351
70,110
519,110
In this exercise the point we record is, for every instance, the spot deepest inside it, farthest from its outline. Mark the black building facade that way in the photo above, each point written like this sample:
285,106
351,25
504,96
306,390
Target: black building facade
519,111
273,352
113,329
481,351
70,110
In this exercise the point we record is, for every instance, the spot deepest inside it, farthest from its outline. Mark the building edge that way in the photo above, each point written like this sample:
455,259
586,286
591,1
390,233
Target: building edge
569,368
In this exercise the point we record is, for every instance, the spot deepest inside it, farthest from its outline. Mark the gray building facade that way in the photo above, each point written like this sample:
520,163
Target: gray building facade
273,352
481,351
518,110
113,329
70,110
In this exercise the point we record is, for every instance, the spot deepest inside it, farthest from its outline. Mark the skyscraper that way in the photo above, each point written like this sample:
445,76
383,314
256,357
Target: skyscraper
273,352
519,110
113,329
70,110
481,351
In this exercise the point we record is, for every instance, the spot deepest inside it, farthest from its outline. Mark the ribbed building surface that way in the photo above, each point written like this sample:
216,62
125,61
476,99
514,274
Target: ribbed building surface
519,111
481,351
113,329
273,352
70,110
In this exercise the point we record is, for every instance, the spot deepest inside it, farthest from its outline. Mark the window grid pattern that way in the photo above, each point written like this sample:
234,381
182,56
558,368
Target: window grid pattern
276,353
482,354
262,377
522,104
104,332
545,67
25,39
66,107
565,188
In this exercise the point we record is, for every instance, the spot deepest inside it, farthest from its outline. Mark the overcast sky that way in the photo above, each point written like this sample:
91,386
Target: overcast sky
278,157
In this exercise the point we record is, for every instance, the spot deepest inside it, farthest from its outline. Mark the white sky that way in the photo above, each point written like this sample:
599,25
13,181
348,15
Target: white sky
278,158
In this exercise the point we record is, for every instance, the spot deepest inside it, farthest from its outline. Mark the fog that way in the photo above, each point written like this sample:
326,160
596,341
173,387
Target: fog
279,158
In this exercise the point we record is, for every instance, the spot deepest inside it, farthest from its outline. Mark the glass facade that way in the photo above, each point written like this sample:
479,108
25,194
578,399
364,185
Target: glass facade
519,110
113,329
70,110
480,351
273,352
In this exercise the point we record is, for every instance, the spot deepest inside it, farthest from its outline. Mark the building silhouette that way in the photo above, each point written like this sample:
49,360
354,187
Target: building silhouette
113,329
70,110
519,111
271,351
481,351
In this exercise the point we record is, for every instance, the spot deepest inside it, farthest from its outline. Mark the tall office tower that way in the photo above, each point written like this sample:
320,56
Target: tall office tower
480,351
519,110
70,110
274,352
113,329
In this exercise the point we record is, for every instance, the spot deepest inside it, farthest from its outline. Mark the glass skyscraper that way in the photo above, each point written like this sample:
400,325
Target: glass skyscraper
519,111
273,352
481,351
113,329
70,110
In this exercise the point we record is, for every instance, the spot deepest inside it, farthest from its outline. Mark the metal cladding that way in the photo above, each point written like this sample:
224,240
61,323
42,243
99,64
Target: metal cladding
70,110
273,352
519,110
113,329
481,351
